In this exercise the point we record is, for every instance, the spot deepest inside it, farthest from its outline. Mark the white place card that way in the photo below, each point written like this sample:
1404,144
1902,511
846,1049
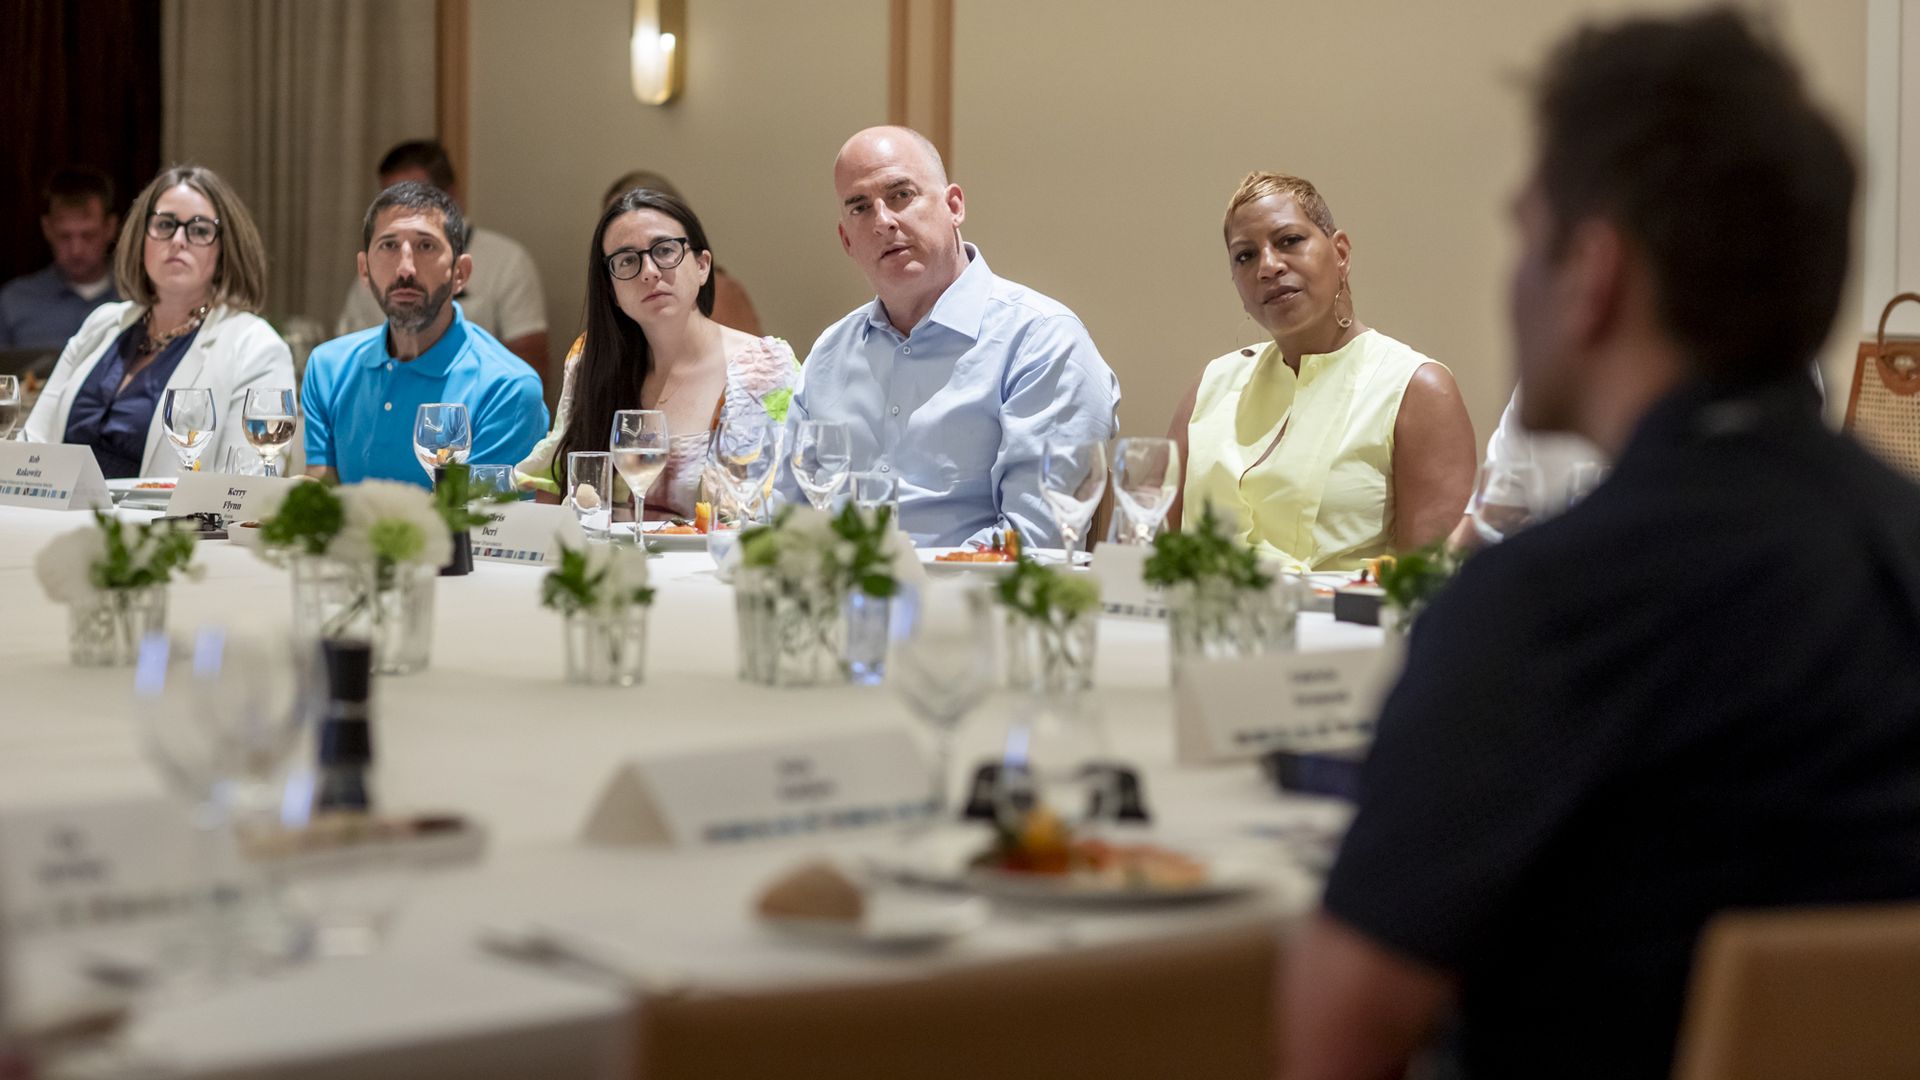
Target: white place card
1118,568
806,787
1232,710
525,532
235,498
69,865
51,476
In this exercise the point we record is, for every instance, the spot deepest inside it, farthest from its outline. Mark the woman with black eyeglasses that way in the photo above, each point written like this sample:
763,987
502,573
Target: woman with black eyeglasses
195,272
650,344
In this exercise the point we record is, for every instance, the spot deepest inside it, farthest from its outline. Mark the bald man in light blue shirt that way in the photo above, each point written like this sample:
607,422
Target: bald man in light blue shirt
952,379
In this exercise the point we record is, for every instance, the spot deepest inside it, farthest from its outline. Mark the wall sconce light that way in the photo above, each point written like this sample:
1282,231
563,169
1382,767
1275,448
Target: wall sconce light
659,50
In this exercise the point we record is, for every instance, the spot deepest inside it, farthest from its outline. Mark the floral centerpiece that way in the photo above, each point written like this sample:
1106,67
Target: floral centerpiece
603,595
811,591
113,578
364,558
1409,582
1221,601
1052,620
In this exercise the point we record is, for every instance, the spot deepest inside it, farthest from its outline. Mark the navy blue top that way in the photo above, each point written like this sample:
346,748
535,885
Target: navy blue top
114,421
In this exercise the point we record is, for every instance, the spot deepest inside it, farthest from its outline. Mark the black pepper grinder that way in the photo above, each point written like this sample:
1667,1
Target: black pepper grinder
461,562
346,730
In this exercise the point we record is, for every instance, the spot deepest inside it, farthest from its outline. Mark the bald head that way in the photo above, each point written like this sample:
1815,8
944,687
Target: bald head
902,146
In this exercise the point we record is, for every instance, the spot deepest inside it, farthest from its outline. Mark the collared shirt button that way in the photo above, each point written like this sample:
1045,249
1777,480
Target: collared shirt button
886,468
896,410
389,365
389,406
907,349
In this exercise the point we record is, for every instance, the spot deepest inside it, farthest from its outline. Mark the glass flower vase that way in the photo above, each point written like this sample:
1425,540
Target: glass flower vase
607,648
107,631
390,606
1053,656
791,634
1213,620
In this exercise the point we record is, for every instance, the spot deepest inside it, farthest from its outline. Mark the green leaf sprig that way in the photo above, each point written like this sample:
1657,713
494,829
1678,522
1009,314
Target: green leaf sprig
577,585
1412,580
854,548
1044,594
454,496
1205,553
142,555
308,519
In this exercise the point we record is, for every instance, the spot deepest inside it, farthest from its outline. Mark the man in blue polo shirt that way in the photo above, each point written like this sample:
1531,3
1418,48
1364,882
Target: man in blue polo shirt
45,308
362,391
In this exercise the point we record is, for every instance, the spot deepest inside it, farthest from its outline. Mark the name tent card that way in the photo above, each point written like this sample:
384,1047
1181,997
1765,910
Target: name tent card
70,865
1233,710
51,476
806,787
235,498
1122,590
525,532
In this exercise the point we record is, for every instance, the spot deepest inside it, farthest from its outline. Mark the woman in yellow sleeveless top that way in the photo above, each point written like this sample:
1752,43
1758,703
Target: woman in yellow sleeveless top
1333,443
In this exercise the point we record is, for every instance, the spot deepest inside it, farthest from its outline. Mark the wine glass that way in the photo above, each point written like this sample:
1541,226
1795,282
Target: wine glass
744,452
639,445
486,481
590,491
442,436
1073,478
220,717
1507,497
188,416
1057,760
942,664
822,460
873,490
1146,476
9,405
270,419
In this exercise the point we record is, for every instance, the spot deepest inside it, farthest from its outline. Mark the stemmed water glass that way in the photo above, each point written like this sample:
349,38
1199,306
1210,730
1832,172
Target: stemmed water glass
1146,475
742,455
822,460
442,436
1507,497
269,419
9,405
187,413
942,664
639,445
1073,478
874,489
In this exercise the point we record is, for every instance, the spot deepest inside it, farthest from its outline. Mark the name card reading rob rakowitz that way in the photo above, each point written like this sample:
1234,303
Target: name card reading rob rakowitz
525,532
235,498
51,476
829,784
69,864
1230,710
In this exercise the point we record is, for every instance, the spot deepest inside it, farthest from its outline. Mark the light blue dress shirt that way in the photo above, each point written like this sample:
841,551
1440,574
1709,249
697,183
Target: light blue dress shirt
359,402
960,408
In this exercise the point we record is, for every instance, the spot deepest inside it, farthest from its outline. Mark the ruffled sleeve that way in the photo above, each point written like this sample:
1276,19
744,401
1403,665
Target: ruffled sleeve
535,473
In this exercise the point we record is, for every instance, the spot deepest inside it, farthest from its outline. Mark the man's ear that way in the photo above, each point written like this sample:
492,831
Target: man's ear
360,261
846,245
462,272
1593,274
956,204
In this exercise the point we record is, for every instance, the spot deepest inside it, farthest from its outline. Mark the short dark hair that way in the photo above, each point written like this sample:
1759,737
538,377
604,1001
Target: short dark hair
75,186
414,195
1697,138
421,154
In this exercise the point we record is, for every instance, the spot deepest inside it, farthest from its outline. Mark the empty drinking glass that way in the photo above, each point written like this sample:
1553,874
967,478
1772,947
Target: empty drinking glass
744,451
590,491
269,420
822,459
1073,478
187,413
942,664
873,490
442,436
1146,475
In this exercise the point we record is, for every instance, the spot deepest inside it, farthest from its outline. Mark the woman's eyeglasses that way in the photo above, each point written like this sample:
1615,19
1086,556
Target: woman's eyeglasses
201,231
666,254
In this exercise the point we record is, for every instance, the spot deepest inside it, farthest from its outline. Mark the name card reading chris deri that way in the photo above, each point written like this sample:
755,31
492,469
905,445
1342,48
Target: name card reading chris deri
801,788
525,532
51,476
235,498
1229,710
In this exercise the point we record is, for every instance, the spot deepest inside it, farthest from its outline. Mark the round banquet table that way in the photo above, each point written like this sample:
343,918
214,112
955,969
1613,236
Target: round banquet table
491,731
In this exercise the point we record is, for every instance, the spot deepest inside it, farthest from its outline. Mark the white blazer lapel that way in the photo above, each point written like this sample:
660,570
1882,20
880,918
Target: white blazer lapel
96,351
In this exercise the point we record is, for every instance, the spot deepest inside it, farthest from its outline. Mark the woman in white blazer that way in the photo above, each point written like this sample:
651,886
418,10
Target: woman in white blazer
193,266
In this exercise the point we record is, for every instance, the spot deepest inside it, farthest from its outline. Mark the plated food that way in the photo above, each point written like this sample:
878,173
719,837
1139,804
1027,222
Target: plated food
1042,860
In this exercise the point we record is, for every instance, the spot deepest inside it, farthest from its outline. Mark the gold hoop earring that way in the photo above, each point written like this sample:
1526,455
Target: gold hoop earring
1347,321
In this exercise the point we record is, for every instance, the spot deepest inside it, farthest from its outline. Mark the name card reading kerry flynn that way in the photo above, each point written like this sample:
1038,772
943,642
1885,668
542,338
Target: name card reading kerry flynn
51,476
65,865
1231,710
801,788
235,498
525,532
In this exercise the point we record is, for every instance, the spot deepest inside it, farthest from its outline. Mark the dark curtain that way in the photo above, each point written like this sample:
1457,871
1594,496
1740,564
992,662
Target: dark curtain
79,84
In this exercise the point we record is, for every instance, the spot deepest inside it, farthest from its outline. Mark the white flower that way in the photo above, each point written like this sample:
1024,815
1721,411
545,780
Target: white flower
65,566
391,520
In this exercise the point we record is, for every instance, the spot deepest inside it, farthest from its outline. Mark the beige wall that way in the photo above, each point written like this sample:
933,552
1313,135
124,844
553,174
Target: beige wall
751,143
1097,143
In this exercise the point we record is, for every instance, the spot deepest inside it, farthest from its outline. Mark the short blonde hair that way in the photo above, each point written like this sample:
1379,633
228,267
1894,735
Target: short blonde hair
1259,185
239,278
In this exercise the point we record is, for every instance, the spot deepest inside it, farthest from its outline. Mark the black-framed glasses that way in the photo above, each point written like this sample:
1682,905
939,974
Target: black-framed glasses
666,254
201,231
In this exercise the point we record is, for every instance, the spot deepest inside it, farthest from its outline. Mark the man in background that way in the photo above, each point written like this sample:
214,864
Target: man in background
45,308
504,296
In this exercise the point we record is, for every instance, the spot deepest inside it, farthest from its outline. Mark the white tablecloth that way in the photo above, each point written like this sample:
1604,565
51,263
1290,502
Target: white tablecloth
490,730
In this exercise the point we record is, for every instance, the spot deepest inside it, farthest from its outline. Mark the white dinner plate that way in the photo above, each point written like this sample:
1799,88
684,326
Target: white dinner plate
1223,880
929,557
669,542
127,491
894,919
